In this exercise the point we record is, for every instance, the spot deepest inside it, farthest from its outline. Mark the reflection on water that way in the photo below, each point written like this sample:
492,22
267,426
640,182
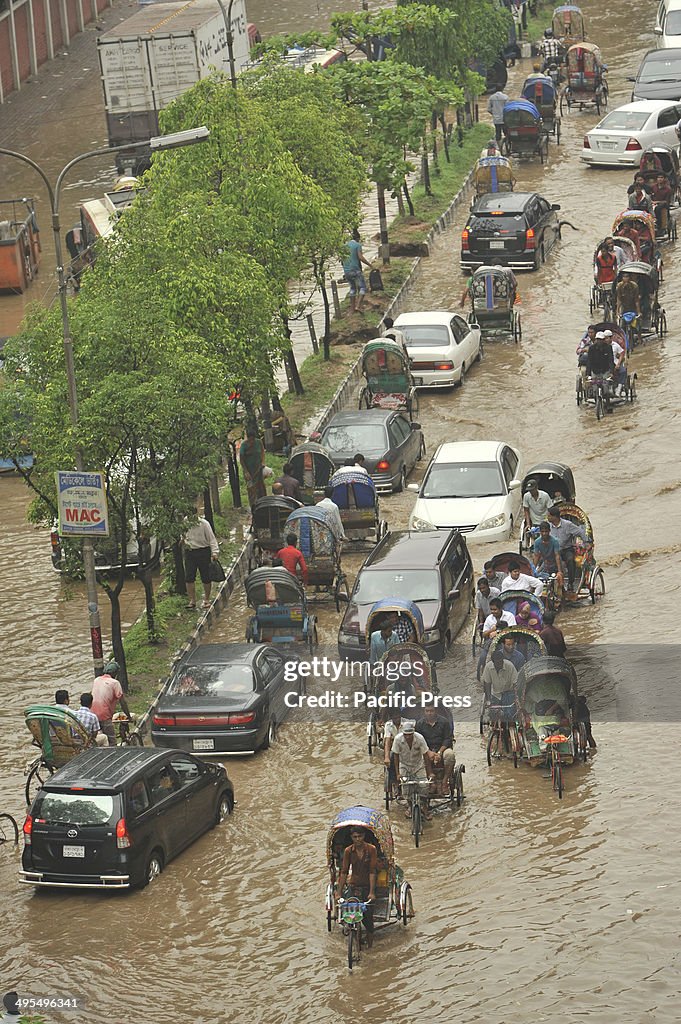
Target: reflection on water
526,906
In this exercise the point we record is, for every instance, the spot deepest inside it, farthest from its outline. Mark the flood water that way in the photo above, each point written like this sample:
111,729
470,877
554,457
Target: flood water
527,908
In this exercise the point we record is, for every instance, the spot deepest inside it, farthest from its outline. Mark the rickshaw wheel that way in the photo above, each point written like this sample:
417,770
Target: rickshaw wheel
599,406
558,133
518,328
416,823
407,907
597,588
458,784
37,777
422,451
9,830
493,741
558,778
313,638
663,323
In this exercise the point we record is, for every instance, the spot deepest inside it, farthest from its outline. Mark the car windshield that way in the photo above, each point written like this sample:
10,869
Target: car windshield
426,335
498,221
354,437
410,585
463,480
624,121
74,809
667,70
672,26
212,680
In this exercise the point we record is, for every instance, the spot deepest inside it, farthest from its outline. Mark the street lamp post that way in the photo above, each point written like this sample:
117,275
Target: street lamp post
227,16
156,144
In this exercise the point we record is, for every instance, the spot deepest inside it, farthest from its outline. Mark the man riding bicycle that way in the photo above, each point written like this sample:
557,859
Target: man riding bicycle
359,862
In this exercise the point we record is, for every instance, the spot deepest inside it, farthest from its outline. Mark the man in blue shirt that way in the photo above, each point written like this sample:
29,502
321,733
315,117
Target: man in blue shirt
352,268
382,640
546,557
565,532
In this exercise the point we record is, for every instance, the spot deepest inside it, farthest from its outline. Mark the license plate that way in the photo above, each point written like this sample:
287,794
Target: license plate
203,744
74,851
496,245
607,145
418,380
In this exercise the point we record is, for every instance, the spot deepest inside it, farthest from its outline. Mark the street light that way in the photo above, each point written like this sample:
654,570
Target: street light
227,17
156,144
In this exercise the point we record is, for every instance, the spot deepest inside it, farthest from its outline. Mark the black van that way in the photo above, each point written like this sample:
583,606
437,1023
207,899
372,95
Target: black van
113,817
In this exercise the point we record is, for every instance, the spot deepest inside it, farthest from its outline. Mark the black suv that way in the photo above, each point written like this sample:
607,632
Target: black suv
113,818
511,229
434,570
659,76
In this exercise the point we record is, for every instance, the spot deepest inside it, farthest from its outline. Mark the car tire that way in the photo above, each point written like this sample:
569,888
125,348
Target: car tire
512,527
402,482
265,745
153,868
462,378
224,808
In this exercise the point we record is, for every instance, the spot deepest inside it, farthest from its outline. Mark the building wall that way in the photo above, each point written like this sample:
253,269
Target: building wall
32,31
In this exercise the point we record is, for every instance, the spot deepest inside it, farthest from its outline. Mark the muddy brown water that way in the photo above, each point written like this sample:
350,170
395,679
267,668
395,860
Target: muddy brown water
526,907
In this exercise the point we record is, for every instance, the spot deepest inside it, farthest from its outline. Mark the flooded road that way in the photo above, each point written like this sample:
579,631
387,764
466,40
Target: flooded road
526,907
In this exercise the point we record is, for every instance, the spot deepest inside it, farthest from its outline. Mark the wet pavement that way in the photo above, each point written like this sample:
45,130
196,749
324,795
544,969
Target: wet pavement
527,907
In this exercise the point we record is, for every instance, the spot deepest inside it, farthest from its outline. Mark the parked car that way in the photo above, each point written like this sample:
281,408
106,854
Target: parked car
442,346
668,24
113,817
659,76
473,487
434,570
510,229
223,699
622,135
390,444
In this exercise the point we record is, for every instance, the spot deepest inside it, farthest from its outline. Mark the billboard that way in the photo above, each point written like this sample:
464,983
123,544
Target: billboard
82,504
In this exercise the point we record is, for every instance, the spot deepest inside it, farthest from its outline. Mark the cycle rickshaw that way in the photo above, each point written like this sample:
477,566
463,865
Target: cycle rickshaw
662,160
546,724
589,576
493,293
389,380
529,644
653,318
268,518
393,897
644,224
602,295
524,133
568,25
281,609
586,79
60,736
542,91
321,549
355,494
493,174
313,467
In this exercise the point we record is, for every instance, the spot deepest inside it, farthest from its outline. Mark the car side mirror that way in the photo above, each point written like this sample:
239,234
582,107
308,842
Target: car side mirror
472,320
453,595
658,31
413,487
416,426
631,78
555,206
514,485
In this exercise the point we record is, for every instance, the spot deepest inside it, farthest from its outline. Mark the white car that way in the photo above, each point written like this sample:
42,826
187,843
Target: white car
620,138
668,25
471,486
442,347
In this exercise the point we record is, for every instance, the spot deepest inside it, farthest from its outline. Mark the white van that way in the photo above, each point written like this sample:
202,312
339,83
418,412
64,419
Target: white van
668,25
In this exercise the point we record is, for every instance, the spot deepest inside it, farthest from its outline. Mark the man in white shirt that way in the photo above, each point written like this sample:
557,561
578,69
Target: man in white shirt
200,547
359,461
408,750
499,675
497,619
332,513
483,596
536,504
517,580
620,372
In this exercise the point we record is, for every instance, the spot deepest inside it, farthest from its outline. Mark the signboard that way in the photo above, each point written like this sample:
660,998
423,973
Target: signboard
82,504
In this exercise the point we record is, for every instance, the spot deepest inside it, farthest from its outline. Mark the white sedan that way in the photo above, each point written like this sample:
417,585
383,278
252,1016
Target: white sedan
442,347
620,138
473,487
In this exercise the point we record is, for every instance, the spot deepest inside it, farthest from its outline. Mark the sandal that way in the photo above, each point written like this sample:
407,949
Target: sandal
191,607
205,604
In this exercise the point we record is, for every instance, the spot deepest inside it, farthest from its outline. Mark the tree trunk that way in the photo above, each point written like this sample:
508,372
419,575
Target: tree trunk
215,493
445,138
326,339
180,584
436,167
233,475
208,508
383,221
114,595
150,605
407,196
425,171
268,433
397,194
290,360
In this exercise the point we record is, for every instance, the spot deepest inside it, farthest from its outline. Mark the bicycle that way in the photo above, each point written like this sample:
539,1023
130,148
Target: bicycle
555,762
503,738
351,912
125,735
9,830
415,789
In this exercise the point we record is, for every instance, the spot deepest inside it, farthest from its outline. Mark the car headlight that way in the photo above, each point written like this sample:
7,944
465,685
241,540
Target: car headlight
431,636
493,523
421,524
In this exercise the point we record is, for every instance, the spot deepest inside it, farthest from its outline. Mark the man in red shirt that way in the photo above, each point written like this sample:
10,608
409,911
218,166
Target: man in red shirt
107,692
662,199
291,558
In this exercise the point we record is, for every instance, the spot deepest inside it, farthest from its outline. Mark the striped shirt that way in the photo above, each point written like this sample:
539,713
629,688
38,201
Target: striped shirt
88,719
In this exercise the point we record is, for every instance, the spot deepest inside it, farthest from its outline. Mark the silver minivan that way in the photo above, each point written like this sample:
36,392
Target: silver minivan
668,24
